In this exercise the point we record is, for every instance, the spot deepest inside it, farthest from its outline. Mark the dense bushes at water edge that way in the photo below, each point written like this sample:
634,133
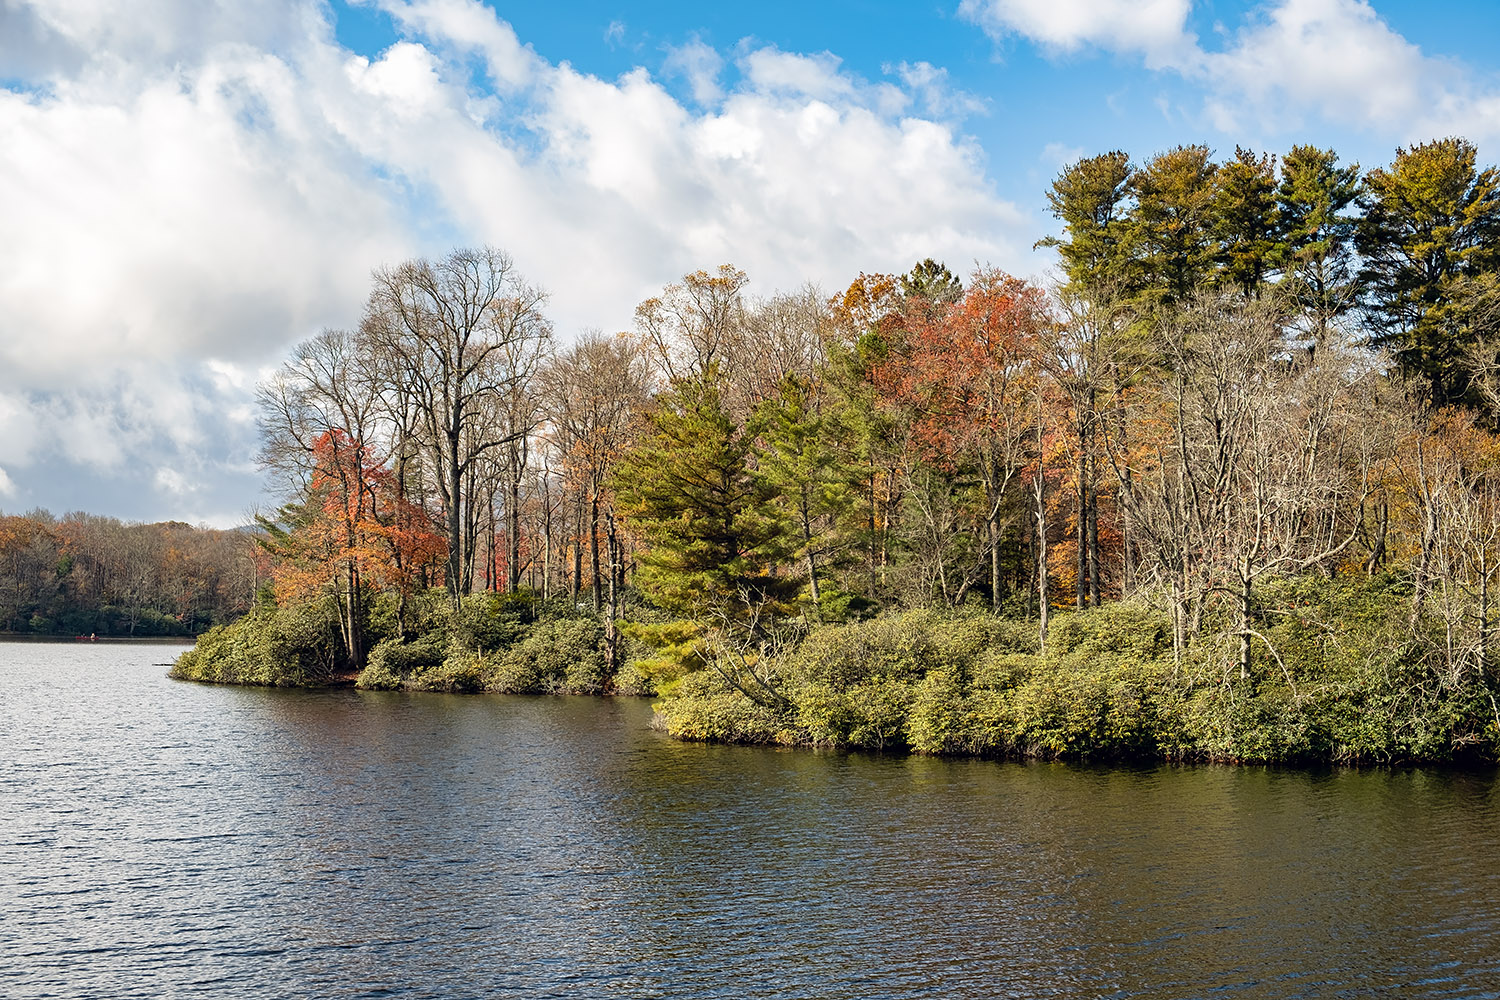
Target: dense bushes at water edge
515,644
1350,681
1342,676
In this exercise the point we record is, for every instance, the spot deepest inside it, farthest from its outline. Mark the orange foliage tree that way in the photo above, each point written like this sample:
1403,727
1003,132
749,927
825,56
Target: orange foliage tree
355,530
968,374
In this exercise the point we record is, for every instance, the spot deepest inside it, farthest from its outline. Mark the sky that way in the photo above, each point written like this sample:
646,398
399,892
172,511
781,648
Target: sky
189,188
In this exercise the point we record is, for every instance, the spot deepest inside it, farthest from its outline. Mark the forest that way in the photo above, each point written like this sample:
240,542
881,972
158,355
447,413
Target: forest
83,574
1225,489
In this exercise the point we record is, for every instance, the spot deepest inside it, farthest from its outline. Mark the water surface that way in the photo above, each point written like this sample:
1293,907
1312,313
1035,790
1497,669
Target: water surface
167,839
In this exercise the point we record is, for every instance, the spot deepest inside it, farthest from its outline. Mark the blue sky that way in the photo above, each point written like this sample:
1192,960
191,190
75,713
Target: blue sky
190,187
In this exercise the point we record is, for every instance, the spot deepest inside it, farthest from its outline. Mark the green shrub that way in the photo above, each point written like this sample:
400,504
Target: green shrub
557,656
489,622
292,646
392,664
940,714
704,708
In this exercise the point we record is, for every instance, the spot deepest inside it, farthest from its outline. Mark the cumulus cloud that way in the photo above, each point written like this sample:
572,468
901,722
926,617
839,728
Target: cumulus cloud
1336,59
1156,28
192,191
699,64
1340,58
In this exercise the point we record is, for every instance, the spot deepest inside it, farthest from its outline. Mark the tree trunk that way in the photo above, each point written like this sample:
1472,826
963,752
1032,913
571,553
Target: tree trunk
546,538
1039,491
1042,598
810,557
513,530
1244,621
1094,573
577,581
1377,547
594,548
611,638
1082,588
1484,612
993,528
455,524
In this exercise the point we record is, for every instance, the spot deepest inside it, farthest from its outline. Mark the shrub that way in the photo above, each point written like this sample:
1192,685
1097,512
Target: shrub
392,664
557,656
704,708
292,646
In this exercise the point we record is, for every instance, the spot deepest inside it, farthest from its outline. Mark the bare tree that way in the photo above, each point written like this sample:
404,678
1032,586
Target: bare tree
687,329
462,333
590,395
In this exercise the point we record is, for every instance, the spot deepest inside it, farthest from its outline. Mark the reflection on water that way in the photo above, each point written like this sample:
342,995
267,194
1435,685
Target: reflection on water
159,838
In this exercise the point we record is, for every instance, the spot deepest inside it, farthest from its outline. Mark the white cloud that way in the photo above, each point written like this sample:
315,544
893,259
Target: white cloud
1334,59
938,97
470,26
1156,28
7,488
1341,60
179,220
700,65
174,482
818,76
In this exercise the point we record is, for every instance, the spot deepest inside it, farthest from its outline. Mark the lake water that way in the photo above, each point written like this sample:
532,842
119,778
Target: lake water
164,839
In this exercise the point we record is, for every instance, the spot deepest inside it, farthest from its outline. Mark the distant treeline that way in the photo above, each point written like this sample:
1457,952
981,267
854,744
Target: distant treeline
83,574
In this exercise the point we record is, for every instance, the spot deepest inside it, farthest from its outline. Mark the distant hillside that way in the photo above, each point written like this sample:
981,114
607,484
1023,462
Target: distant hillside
84,574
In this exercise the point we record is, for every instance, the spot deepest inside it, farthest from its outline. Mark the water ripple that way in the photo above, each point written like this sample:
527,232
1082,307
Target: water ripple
161,839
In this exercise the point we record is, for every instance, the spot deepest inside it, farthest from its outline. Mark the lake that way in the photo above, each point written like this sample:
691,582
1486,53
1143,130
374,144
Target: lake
166,839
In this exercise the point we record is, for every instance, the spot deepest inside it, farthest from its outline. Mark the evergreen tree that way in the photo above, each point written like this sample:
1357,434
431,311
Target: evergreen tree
932,283
1173,223
800,460
714,542
1244,220
1092,199
1432,220
1316,235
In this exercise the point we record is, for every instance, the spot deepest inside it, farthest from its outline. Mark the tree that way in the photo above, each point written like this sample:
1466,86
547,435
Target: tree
687,487
687,329
590,394
29,578
1173,223
316,413
1432,219
714,542
1316,236
932,283
967,372
463,335
1092,199
1244,220
350,529
799,460
777,338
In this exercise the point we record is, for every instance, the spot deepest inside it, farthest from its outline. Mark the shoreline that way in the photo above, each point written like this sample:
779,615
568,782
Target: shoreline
117,640
1459,763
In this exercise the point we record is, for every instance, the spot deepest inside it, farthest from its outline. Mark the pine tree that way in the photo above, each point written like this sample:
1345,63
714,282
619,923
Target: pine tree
1316,235
1092,199
1244,220
714,543
1173,223
1432,220
799,461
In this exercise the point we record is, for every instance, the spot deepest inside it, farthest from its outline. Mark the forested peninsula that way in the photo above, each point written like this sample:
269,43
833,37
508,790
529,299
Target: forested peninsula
1228,489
